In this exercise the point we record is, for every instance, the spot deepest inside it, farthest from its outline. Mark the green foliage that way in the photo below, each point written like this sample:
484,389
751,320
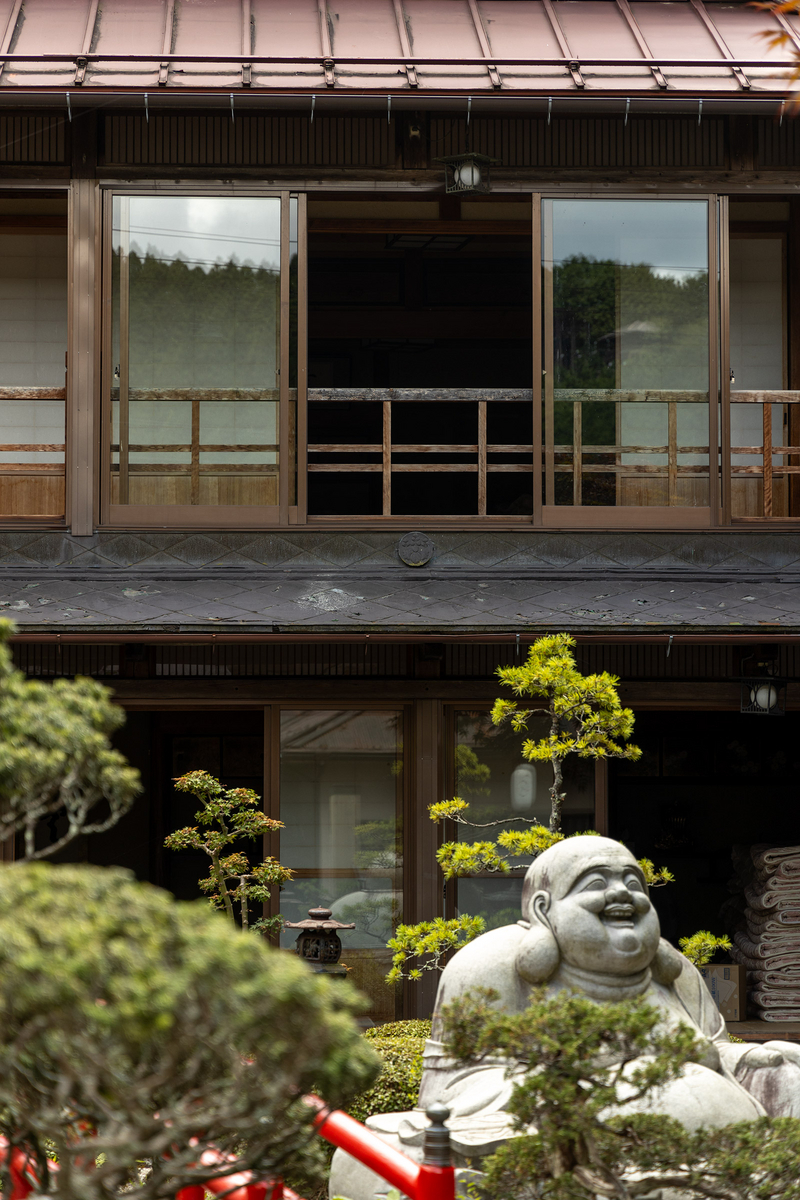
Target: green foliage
459,859
231,815
400,1045
429,942
584,711
655,876
587,1063
131,1023
701,947
55,757
471,773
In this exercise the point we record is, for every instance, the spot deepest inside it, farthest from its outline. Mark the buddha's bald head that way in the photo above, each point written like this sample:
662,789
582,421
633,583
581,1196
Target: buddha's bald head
587,904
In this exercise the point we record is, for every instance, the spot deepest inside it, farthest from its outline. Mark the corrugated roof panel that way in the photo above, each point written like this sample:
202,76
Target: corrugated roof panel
597,29
519,28
283,30
674,31
445,29
47,27
467,45
138,25
207,27
360,28
743,30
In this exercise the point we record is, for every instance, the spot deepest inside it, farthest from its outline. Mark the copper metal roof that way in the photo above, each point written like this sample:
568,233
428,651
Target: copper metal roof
400,48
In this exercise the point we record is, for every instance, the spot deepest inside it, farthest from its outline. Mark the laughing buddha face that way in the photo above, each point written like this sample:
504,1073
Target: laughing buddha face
591,894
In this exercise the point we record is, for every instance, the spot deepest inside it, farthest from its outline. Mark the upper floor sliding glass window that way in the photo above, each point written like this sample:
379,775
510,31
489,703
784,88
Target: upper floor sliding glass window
627,358
201,360
33,346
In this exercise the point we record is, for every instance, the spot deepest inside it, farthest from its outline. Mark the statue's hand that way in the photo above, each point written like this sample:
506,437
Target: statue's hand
789,1051
752,1057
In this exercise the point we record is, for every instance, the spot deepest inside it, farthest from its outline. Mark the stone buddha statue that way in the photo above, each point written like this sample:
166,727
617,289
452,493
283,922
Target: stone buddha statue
587,926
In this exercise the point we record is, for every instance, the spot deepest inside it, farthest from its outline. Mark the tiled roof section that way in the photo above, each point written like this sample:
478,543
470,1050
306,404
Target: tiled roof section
475,583
546,47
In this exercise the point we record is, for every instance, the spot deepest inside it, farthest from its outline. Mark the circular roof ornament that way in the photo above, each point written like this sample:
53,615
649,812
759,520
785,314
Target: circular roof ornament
415,549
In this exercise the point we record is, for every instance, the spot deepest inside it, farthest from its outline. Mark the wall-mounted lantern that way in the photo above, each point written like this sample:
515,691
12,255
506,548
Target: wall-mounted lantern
318,942
763,693
467,172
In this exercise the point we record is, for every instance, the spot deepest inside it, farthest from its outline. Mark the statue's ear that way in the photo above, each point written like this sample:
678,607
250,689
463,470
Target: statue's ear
538,956
540,906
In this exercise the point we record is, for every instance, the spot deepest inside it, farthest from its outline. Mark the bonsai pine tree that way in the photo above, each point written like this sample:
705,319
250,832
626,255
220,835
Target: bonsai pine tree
588,1066
583,712
584,718
56,760
229,816
136,1030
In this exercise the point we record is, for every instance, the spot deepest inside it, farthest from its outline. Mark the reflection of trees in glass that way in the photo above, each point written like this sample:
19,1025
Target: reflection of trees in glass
191,326
618,325
608,314
471,773
375,914
378,844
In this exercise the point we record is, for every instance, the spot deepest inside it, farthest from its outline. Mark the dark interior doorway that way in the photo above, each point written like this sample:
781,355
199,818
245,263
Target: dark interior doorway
705,782
439,309
229,745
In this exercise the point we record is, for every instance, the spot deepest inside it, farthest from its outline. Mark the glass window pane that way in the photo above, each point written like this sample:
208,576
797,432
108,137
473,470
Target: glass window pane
758,364
626,352
196,347
341,804
499,785
33,343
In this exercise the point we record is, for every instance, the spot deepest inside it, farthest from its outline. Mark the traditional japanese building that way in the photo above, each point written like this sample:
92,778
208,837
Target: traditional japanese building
346,346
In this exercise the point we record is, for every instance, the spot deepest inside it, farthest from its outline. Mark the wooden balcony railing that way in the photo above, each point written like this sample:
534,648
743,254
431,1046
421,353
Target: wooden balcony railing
767,469
31,490
388,448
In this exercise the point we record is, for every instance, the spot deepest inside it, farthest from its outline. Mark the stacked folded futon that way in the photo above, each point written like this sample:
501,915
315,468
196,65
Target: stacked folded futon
767,941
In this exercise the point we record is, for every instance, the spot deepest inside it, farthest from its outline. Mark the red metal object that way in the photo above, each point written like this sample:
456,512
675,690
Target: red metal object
21,1170
420,1181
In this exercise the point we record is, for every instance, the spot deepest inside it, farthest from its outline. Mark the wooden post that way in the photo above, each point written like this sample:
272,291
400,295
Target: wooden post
766,457
387,458
577,453
82,378
124,345
481,458
672,453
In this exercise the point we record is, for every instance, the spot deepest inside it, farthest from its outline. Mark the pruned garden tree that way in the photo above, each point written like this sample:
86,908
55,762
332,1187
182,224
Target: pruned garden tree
227,817
587,1067
136,1031
56,760
584,718
583,713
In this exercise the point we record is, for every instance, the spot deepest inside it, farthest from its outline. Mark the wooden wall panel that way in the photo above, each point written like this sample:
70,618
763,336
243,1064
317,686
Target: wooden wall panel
587,141
37,495
209,139
33,138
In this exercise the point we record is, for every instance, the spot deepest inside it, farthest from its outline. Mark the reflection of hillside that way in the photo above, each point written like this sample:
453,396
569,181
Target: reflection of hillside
346,732
622,325
201,325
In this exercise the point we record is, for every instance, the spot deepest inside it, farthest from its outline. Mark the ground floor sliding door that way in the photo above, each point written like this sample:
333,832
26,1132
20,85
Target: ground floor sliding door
341,803
351,782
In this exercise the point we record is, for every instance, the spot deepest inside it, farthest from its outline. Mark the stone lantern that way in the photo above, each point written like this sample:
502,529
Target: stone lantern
318,942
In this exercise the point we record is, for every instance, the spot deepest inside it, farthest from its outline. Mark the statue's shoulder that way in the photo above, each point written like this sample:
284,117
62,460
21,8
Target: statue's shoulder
487,962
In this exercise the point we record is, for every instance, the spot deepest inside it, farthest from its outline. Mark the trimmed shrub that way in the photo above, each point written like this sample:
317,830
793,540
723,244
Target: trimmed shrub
400,1045
131,1023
